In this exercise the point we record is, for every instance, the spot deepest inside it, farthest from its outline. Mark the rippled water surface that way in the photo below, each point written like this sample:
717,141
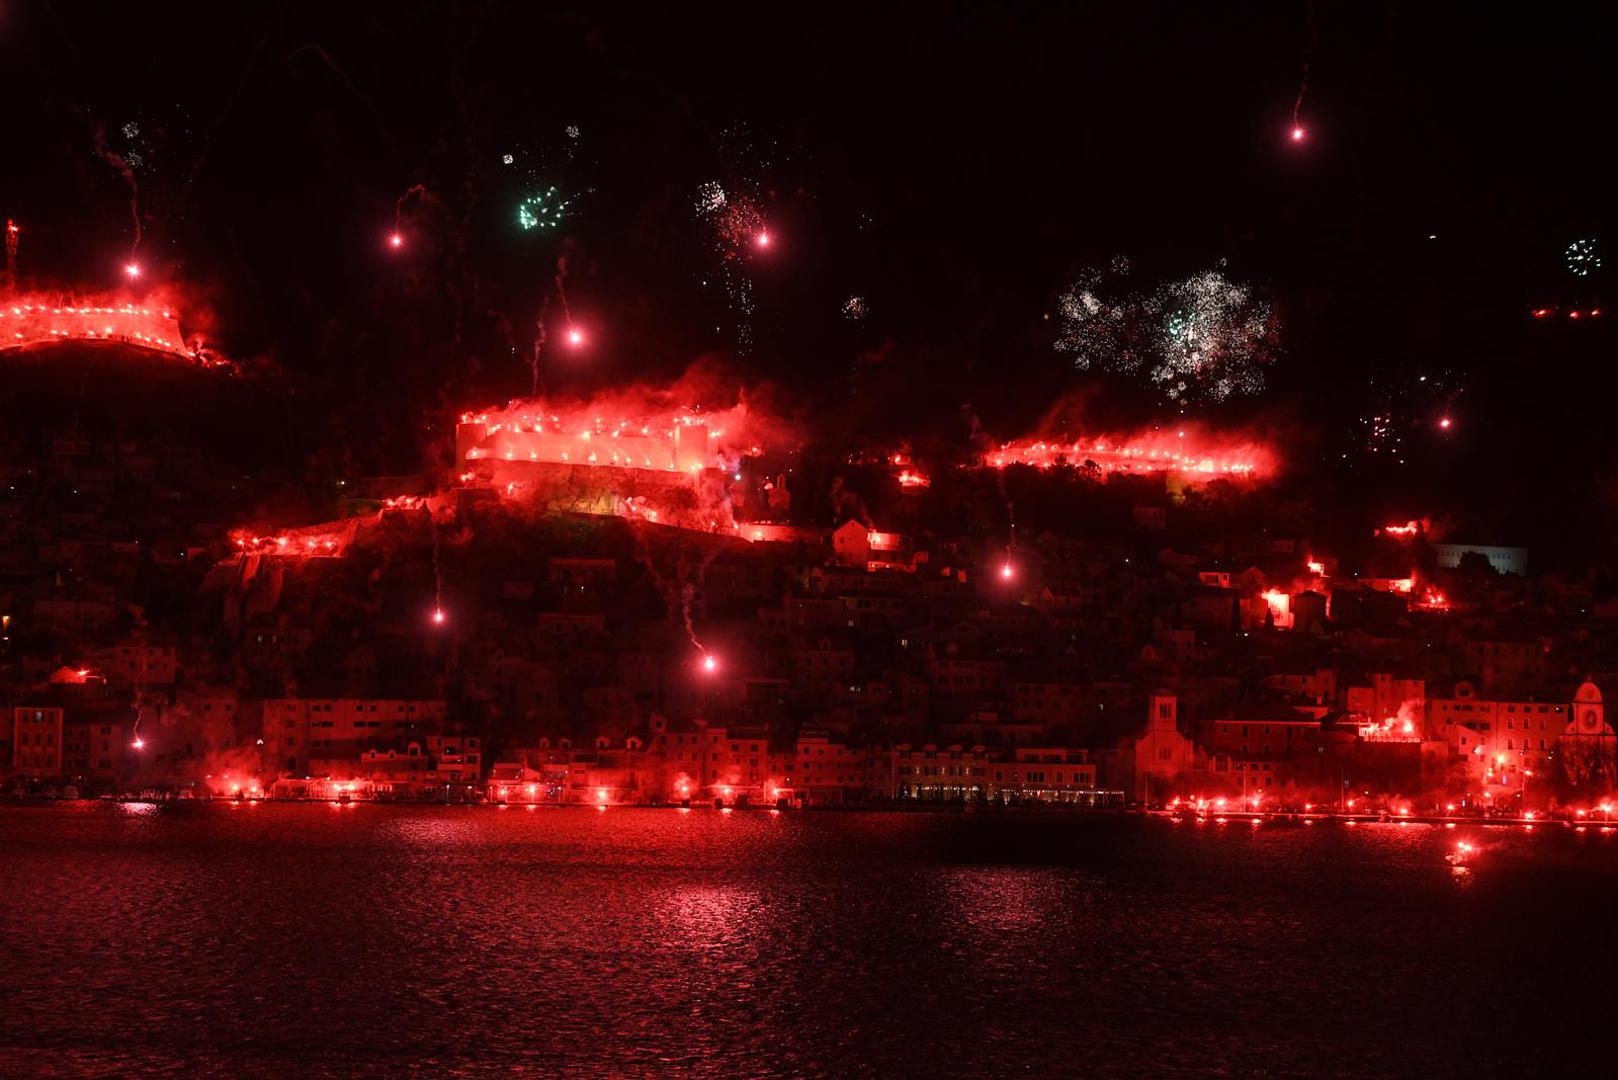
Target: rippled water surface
315,940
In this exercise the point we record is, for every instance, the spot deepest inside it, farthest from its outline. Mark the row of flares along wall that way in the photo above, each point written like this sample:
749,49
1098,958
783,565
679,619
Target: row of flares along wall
36,320
628,454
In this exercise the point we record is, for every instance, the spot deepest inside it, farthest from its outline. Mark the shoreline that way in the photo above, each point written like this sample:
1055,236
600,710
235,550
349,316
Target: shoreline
1289,818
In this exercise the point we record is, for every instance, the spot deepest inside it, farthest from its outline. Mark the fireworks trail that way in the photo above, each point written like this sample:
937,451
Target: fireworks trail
417,192
541,334
736,229
1298,130
126,169
1200,338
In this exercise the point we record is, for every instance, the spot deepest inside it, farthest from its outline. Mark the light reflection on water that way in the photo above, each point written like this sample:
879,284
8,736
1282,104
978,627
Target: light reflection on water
328,940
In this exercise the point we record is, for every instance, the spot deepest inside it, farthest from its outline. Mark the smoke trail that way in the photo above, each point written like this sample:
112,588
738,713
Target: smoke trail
416,191
561,286
124,169
1303,81
541,335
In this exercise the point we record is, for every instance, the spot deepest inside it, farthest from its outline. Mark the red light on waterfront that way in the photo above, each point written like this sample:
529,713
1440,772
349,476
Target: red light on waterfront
1542,313
601,795
1573,314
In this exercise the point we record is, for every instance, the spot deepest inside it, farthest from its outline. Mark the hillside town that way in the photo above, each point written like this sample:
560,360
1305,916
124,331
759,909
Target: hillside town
462,647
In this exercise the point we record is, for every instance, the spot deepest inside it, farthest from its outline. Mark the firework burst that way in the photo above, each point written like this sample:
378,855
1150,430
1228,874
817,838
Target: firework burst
1582,258
1201,338
736,228
543,210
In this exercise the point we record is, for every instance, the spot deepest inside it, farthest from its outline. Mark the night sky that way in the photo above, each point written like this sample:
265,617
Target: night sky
954,166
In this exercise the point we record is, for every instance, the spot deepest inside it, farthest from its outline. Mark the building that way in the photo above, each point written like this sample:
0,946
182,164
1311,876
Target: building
1505,560
36,741
1164,757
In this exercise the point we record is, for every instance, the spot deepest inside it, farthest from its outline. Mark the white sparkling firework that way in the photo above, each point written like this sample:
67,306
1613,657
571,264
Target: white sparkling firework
734,224
1201,338
855,308
507,159
572,131
1582,257
710,198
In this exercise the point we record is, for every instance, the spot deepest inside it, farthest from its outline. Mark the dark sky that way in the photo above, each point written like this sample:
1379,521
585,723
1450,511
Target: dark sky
955,165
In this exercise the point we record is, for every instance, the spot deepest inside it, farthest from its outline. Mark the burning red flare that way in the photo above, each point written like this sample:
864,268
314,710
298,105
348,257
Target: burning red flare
33,319
438,616
132,270
763,239
575,337
1297,134
709,663
395,240
1183,453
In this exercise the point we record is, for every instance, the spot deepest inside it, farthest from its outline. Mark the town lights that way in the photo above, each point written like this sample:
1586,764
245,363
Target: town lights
601,796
